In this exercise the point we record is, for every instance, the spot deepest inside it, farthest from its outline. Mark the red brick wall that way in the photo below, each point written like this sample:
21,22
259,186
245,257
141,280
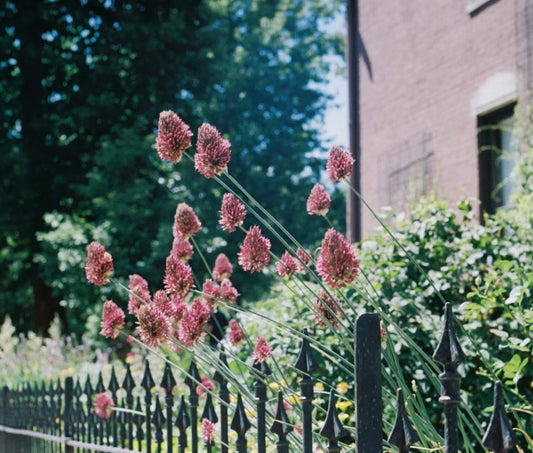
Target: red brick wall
427,60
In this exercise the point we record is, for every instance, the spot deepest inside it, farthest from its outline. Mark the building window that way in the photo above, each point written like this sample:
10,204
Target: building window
498,151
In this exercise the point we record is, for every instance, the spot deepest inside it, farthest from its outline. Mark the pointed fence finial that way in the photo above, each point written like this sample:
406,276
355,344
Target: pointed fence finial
158,420
499,436
209,410
281,426
448,352
240,424
147,382
182,422
333,430
305,361
193,377
402,434
167,381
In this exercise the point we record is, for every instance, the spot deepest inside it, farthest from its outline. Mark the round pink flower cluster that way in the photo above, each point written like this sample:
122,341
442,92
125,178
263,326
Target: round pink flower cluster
193,322
112,319
340,164
186,224
103,405
213,151
205,386
235,335
139,293
255,251
337,263
327,308
287,266
318,201
222,268
232,213
154,327
99,266
178,277
262,351
181,248
208,431
173,136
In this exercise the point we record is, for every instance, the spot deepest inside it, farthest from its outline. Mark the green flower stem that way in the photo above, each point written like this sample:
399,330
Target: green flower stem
199,250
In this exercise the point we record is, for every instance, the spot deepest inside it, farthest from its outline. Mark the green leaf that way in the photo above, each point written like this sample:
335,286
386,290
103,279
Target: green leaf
515,296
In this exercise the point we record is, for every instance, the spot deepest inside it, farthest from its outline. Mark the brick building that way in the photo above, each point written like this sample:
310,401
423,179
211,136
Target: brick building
435,75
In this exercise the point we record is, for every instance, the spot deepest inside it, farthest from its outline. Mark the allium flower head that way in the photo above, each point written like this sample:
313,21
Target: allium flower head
186,224
112,319
206,384
210,294
336,262
235,334
179,307
255,251
318,201
193,322
103,405
287,266
173,136
223,268
340,164
181,248
228,291
99,265
208,431
139,292
164,304
304,259
213,151
327,308
178,277
232,213
154,328
262,351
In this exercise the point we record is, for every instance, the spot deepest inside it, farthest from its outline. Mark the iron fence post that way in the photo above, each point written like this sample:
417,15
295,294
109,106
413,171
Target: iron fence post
67,412
368,404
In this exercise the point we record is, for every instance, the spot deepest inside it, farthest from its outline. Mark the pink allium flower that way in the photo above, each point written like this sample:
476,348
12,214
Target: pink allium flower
112,319
138,292
255,251
193,322
304,259
179,307
340,164
154,328
228,291
232,213
318,201
173,136
210,294
287,266
223,268
181,249
186,223
235,334
103,405
206,385
164,304
99,265
262,351
213,151
336,262
178,277
208,431
327,308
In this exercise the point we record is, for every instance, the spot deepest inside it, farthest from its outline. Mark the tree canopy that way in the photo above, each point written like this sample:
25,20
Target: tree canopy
82,84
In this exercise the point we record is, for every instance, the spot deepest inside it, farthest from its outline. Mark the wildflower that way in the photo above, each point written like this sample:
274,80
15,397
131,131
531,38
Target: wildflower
210,294
340,164
193,322
235,335
343,405
103,405
138,292
181,248
318,201
163,303
99,265
206,385
304,260
228,291
232,213
208,431
262,351
223,268
186,224
179,307
173,136
287,266
255,251
178,277
213,151
336,262
342,387
112,319
154,328
327,308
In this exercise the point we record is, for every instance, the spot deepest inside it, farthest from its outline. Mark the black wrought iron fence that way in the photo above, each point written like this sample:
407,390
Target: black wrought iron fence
59,417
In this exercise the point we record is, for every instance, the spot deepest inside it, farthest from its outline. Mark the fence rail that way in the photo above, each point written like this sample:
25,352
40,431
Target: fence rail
59,417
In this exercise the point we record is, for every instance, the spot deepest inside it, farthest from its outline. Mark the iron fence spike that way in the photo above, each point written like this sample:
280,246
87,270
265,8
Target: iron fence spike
193,378
333,430
168,382
147,382
305,361
209,410
240,423
281,426
448,352
499,436
402,434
